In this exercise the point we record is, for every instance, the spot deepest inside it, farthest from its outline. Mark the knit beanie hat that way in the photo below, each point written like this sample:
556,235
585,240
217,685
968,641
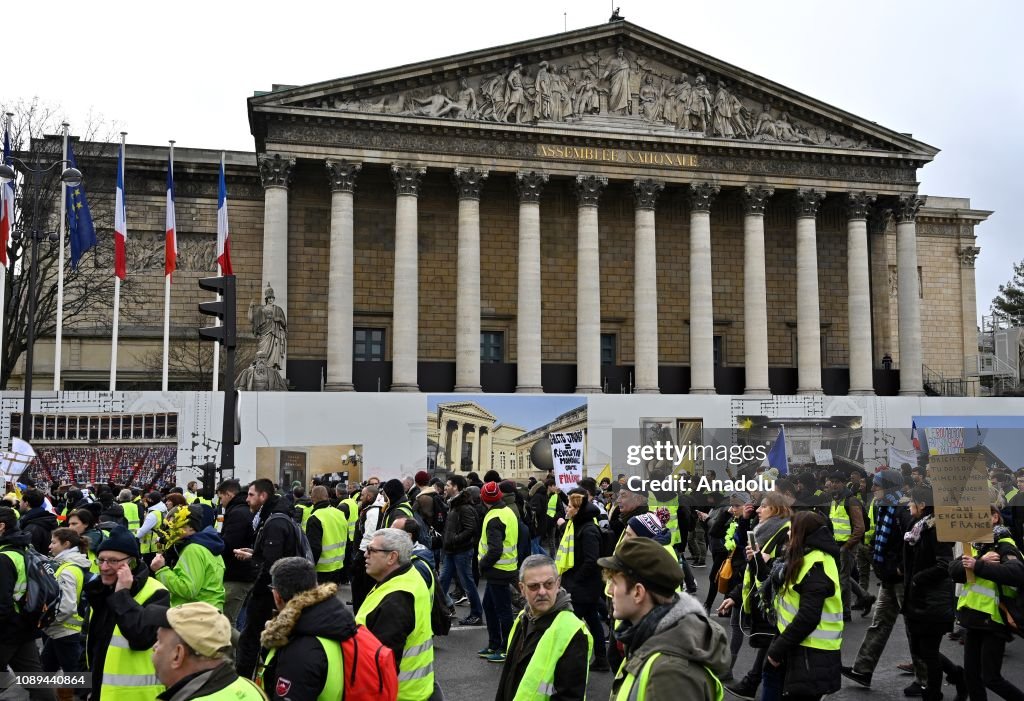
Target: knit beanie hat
649,526
421,478
394,490
490,493
888,479
120,540
507,487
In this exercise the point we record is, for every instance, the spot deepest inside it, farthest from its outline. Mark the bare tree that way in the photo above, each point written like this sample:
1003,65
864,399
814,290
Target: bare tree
190,362
89,290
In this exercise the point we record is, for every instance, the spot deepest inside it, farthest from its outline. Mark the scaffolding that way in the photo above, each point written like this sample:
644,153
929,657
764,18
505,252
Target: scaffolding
1000,357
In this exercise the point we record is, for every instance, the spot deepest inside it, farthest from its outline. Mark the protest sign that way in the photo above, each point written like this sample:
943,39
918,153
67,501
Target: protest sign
567,458
961,489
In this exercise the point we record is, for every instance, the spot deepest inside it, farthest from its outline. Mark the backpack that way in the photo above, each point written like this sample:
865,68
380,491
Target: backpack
42,591
369,668
302,547
608,542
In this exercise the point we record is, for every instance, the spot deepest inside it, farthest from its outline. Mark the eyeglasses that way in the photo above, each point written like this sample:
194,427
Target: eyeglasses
111,561
537,586
371,549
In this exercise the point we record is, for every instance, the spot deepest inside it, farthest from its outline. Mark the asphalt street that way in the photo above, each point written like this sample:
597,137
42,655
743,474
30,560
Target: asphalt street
464,676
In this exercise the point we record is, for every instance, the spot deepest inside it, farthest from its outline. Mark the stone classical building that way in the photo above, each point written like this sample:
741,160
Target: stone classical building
599,210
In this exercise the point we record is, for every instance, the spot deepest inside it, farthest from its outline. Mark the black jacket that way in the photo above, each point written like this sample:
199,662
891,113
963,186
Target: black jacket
9,618
461,526
110,608
237,533
890,569
39,523
583,580
494,538
928,600
394,619
300,662
274,539
570,668
202,684
809,671
1008,571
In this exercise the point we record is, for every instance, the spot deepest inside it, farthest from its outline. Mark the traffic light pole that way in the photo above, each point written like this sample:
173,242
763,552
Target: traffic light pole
224,310
227,440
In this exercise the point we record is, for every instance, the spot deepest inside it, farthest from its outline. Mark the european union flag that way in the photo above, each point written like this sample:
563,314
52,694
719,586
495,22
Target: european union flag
83,233
777,457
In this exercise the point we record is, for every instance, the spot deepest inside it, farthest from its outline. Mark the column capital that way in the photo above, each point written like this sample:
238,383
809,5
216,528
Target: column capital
529,184
755,198
275,171
701,195
646,191
906,208
807,202
588,189
859,205
967,255
469,181
342,174
407,178
878,219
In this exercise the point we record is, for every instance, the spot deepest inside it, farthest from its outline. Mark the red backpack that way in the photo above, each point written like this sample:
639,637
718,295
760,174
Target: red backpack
370,672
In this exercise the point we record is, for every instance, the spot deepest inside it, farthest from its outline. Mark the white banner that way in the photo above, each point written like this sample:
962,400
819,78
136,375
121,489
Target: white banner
567,458
898,457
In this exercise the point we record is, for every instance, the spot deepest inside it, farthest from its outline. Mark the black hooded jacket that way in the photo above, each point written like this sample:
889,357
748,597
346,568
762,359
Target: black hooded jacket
9,618
461,526
275,538
110,608
237,533
809,671
39,523
299,668
583,579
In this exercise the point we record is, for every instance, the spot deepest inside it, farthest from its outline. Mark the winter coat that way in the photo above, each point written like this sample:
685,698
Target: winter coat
300,660
236,532
1008,571
110,608
688,642
583,580
274,539
38,523
809,671
928,600
890,569
198,575
10,621
495,537
203,684
461,527
570,668
393,620
539,506
68,606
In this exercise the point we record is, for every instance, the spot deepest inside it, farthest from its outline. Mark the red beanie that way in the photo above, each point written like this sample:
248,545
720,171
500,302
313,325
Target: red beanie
422,478
490,493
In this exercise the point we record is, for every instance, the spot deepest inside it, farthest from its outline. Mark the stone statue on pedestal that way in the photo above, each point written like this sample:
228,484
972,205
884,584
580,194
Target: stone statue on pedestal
270,327
260,377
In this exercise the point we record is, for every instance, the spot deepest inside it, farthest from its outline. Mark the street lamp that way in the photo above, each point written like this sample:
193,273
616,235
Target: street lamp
34,177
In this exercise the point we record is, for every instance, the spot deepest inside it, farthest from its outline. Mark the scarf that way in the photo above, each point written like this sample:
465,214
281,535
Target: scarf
913,536
765,530
633,636
886,518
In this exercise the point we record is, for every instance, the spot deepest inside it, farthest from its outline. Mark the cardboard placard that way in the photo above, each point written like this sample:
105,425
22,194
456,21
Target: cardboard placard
567,458
961,489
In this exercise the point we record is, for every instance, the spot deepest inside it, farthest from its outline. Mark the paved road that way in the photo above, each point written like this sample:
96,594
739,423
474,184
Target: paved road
464,676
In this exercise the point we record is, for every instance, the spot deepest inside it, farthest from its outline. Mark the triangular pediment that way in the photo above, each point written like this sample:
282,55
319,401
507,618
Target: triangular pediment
616,78
467,410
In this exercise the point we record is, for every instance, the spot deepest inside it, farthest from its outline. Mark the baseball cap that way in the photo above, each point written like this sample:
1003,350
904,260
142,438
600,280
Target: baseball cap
647,562
201,626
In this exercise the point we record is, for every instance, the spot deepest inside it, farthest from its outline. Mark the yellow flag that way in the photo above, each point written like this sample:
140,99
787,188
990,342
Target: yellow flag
606,472
746,424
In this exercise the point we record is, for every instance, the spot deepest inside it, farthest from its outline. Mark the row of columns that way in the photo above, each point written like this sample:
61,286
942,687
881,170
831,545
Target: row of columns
453,438
469,181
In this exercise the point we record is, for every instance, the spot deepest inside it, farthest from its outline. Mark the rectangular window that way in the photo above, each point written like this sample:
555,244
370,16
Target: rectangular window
608,349
716,352
492,346
367,344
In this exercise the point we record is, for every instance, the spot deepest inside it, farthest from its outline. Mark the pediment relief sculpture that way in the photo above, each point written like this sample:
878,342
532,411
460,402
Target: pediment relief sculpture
614,86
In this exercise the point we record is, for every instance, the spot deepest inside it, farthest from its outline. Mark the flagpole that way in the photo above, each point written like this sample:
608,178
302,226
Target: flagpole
117,293
3,268
167,291
60,271
216,347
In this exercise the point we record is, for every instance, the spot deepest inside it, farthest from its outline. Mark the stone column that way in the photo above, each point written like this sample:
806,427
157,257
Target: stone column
476,448
276,174
456,460
808,315
340,287
702,320
588,284
858,283
528,314
467,298
405,314
755,291
645,287
908,296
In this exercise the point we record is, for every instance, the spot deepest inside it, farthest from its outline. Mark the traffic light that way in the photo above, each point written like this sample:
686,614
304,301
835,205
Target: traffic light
209,480
223,309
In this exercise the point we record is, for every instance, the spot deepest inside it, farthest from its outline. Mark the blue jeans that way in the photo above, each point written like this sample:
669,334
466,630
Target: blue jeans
536,548
771,681
62,653
498,614
462,565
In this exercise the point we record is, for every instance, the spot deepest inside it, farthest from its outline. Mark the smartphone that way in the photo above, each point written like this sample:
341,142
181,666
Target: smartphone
752,539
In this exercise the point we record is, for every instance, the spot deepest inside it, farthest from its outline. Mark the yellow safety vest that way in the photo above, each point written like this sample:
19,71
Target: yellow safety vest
131,515
151,541
334,685
129,675
306,510
75,622
335,538
828,635
552,505
538,682
870,508
353,516
628,693
509,560
982,595
416,668
771,547
239,690
21,583
842,529
565,555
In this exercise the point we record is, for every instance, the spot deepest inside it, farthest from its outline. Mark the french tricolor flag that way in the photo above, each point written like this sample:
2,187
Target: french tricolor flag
171,240
223,237
6,202
120,225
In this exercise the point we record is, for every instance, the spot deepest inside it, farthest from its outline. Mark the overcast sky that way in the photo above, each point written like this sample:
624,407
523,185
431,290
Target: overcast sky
947,71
